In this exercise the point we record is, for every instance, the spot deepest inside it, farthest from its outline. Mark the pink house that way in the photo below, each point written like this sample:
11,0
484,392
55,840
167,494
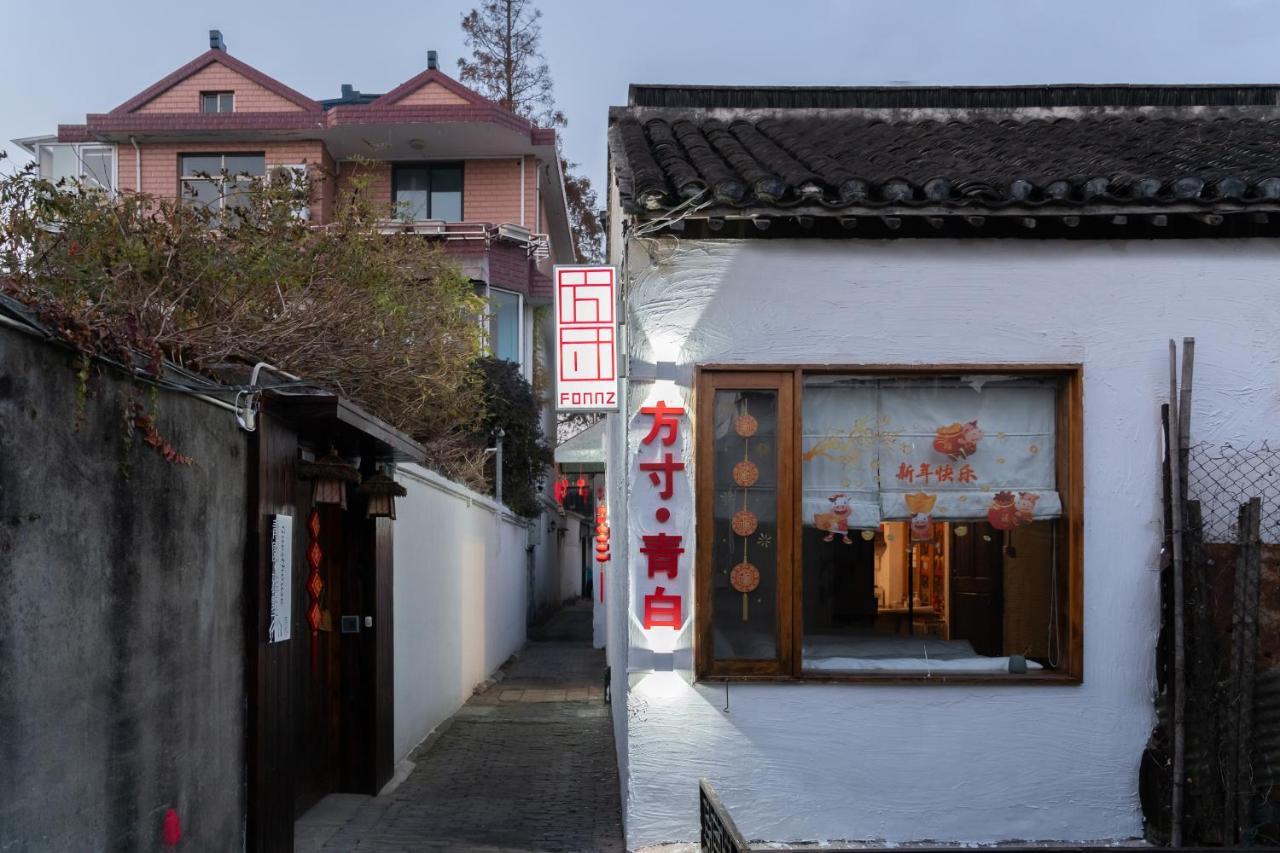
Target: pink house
442,161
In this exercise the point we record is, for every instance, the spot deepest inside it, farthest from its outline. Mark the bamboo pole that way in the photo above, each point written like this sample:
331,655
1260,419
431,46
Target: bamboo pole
1174,449
1247,645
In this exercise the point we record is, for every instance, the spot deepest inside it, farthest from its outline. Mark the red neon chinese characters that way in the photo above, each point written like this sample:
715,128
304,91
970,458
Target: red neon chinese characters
667,467
662,610
663,554
664,419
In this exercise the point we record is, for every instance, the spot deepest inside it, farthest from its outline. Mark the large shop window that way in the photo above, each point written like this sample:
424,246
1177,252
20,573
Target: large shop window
903,526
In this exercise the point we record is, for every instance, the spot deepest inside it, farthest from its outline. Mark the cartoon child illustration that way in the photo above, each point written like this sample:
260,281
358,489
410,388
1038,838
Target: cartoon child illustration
957,440
1026,507
920,505
835,521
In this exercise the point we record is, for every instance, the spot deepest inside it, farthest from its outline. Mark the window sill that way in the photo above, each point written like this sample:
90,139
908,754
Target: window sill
1060,679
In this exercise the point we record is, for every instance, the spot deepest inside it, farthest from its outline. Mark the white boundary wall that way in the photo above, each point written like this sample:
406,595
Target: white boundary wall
460,593
965,764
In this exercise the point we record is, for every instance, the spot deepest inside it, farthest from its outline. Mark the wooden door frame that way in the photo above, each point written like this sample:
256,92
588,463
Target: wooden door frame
704,456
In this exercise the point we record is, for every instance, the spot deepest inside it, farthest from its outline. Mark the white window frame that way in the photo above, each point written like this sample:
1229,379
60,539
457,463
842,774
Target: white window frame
222,177
218,93
488,294
79,148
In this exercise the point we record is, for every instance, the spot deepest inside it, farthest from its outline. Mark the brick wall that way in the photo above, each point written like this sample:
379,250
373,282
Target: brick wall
160,165
184,97
376,175
491,191
490,188
432,94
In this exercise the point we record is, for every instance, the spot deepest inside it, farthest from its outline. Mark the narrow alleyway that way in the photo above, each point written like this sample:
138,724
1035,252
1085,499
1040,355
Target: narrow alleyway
526,765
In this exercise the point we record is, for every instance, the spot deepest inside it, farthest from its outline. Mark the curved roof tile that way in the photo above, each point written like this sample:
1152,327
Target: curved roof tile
846,159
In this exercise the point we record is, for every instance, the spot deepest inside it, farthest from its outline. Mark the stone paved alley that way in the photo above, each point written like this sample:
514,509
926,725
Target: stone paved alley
528,764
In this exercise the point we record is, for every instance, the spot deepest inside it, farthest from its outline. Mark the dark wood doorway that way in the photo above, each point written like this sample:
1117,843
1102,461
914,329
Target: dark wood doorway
976,612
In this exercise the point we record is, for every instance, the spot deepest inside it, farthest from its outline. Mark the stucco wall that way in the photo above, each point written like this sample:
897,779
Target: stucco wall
461,592
121,623
949,763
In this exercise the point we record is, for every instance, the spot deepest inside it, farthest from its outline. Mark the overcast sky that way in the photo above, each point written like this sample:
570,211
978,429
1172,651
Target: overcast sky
65,58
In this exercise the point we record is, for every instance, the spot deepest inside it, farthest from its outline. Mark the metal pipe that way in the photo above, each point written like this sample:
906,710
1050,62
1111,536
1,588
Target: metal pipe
497,477
137,165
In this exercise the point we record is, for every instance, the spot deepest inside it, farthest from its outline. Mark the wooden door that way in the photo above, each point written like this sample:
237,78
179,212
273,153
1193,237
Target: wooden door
317,665
977,586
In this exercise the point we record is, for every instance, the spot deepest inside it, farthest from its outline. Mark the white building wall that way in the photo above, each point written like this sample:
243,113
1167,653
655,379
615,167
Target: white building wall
952,763
460,598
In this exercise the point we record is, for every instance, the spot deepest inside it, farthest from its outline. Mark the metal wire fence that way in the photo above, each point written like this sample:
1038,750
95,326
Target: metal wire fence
1222,477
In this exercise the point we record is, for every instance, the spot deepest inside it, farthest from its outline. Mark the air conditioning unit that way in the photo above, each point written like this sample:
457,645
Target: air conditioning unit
515,232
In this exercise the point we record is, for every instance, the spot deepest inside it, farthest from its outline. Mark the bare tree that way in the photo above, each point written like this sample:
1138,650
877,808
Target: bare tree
507,66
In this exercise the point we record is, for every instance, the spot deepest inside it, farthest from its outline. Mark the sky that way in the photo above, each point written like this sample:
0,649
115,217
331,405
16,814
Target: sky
65,58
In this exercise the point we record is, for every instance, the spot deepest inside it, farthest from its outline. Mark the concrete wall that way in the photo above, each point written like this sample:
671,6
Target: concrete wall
461,593
950,763
121,623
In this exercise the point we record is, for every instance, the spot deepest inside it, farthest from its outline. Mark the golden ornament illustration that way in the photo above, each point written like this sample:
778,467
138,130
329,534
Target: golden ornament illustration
745,426
745,522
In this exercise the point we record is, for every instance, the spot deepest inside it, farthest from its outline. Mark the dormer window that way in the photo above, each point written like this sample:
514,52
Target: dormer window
217,102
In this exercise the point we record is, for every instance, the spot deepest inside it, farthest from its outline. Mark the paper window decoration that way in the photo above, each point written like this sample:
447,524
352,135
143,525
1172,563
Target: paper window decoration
981,448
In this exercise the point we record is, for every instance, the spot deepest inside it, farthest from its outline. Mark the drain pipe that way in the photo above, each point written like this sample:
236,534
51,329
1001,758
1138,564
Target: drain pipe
137,165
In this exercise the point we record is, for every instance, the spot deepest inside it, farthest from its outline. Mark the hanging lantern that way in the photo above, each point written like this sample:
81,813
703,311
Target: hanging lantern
582,487
330,475
381,492
602,534
562,490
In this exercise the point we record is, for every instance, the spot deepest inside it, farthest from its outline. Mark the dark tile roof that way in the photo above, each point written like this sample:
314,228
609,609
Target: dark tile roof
850,160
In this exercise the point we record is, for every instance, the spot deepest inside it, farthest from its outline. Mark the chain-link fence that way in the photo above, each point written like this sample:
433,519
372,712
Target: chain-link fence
1222,477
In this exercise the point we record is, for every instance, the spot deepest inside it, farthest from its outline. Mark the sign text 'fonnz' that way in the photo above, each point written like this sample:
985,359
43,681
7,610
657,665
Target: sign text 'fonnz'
586,339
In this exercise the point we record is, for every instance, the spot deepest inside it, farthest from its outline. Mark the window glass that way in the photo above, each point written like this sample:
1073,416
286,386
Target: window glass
446,193
221,181
928,520
201,164
58,162
245,164
411,192
98,165
202,193
217,102
744,579
504,325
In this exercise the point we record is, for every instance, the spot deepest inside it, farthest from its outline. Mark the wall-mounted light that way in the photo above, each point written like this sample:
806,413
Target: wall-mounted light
329,475
381,492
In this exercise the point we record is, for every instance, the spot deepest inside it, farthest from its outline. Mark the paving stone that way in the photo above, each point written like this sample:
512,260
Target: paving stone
529,764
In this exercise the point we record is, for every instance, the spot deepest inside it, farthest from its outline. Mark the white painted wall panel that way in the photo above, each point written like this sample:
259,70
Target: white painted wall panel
950,763
461,594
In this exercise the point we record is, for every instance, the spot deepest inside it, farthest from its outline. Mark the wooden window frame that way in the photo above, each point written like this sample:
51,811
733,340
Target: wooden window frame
789,380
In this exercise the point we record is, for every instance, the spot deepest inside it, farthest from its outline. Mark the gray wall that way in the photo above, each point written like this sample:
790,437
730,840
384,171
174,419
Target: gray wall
121,623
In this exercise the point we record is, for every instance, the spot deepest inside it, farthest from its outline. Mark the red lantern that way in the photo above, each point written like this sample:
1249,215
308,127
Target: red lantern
562,490
582,488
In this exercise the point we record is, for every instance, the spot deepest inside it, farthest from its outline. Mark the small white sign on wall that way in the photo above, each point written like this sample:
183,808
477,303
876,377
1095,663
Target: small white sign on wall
281,577
586,339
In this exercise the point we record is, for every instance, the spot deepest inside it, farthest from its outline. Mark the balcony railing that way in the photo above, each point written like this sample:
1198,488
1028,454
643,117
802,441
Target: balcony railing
537,245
